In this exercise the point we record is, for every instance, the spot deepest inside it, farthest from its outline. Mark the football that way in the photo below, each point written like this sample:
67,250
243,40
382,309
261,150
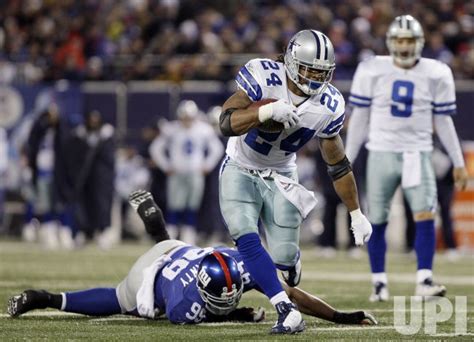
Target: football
269,125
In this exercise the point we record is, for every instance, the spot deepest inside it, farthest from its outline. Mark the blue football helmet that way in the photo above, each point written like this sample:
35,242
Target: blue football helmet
219,283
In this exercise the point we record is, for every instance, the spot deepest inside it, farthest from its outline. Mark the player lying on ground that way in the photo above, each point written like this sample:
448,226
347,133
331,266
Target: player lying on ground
187,283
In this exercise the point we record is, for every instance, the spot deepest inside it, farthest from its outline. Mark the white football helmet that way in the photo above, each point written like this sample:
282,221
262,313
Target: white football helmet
405,26
187,109
309,61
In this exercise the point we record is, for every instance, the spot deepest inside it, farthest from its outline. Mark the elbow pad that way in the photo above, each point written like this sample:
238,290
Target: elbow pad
224,123
340,169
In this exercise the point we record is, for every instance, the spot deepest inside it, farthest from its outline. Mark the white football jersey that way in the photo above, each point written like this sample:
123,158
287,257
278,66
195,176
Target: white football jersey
403,101
187,149
321,115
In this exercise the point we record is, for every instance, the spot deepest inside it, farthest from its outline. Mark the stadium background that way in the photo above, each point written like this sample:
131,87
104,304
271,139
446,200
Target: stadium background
134,60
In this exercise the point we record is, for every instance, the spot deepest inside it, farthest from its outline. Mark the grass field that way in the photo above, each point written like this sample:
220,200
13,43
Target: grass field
342,282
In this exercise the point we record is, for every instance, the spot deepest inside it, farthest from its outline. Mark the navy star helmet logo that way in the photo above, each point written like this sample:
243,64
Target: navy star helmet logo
292,44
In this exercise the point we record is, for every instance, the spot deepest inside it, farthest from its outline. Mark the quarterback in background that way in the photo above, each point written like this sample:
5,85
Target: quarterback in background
397,99
258,176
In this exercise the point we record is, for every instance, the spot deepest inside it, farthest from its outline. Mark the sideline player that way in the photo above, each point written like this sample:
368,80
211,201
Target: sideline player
187,150
187,283
397,99
258,177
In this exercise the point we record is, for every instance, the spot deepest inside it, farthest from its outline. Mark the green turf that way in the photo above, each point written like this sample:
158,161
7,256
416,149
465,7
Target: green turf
342,282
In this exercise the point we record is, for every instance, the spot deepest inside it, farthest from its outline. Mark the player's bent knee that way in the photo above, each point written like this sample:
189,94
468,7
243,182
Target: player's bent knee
423,216
285,254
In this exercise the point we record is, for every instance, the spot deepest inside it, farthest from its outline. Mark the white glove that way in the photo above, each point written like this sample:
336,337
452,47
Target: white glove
361,227
280,111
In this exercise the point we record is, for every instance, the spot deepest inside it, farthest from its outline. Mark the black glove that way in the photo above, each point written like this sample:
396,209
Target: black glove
358,317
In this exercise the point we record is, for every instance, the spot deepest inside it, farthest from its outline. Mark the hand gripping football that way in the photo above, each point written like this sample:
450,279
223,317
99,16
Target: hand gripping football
269,125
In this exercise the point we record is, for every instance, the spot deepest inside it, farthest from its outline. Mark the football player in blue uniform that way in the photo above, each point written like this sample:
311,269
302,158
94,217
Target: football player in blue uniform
186,283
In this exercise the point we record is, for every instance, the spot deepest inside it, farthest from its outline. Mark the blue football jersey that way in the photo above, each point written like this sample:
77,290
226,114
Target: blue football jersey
176,291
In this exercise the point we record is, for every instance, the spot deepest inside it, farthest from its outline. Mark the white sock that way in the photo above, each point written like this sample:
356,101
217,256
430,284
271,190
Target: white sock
379,278
172,231
422,274
280,297
63,304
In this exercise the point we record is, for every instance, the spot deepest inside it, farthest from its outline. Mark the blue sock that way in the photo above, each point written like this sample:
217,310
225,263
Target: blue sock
259,264
190,217
377,246
425,243
173,217
93,302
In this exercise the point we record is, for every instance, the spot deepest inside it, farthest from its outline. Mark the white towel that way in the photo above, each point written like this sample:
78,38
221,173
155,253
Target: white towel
411,172
145,294
303,199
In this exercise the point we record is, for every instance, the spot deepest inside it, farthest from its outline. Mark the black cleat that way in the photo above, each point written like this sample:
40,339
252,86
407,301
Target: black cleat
143,203
27,301
139,197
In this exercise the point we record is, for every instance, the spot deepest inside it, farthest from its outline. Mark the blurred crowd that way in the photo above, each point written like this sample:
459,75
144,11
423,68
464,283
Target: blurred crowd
43,40
73,181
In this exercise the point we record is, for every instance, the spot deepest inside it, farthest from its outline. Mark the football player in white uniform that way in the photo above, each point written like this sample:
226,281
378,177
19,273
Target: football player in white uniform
258,176
187,150
396,100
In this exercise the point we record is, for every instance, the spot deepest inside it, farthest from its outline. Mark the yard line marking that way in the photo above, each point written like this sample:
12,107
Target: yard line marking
354,328
54,284
46,314
106,319
403,278
370,310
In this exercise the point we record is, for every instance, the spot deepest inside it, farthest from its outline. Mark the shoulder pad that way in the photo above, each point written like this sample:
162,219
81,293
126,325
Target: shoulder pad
249,79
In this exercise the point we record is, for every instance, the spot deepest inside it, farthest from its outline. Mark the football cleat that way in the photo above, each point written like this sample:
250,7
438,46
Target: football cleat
27,301
143,203
138,197
380,293
289,321
292,276
429,289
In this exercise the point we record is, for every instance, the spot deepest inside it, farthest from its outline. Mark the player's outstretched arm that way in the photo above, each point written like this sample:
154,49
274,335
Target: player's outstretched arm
339,168
314,306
